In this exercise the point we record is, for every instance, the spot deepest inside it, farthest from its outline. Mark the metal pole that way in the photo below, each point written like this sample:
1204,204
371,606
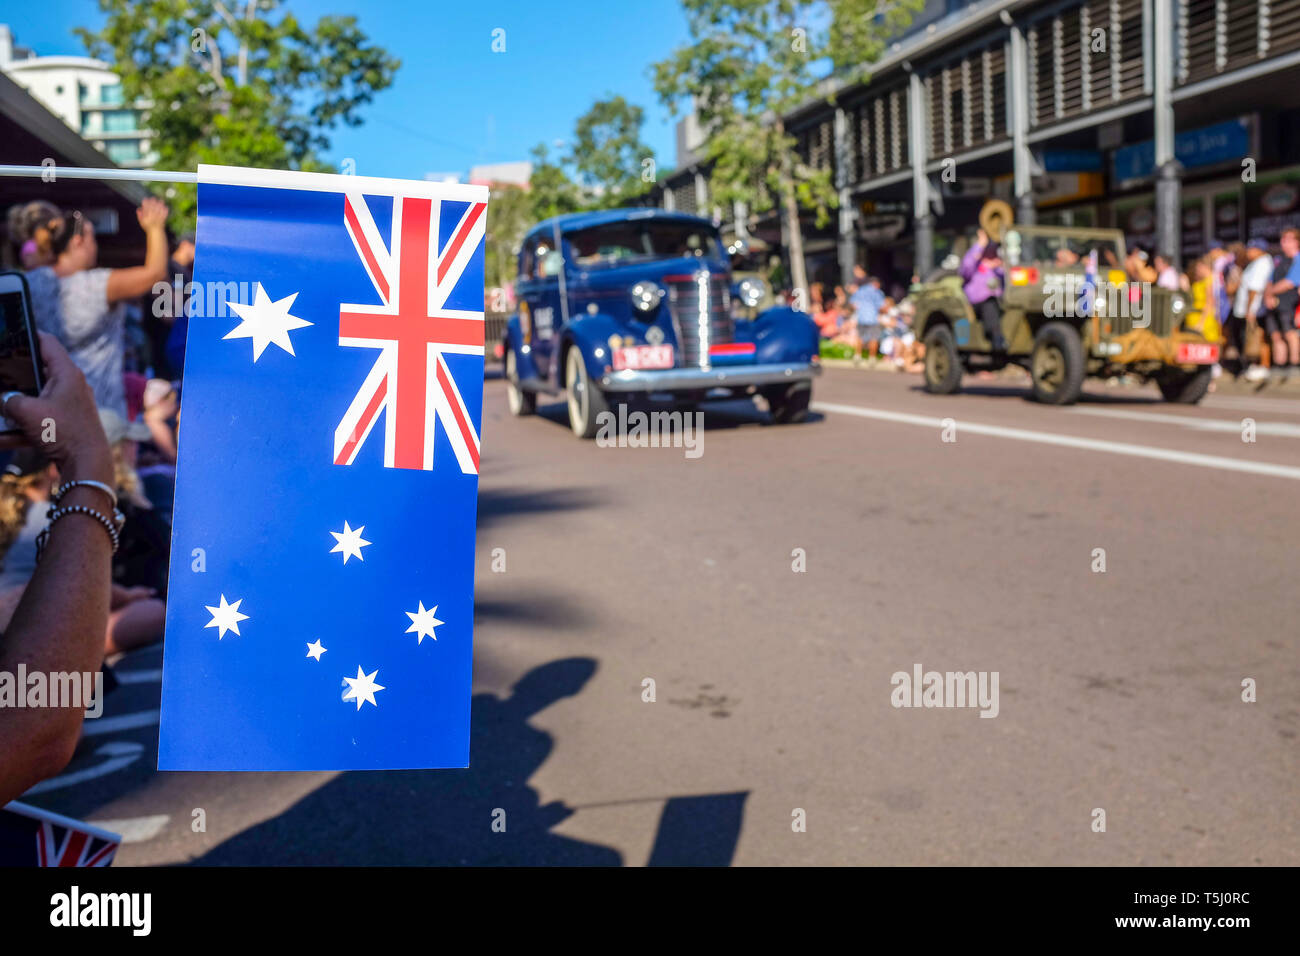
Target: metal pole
922,217
54,172
1021,159
1168,169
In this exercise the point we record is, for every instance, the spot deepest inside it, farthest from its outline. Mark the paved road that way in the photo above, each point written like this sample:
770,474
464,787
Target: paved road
1118,690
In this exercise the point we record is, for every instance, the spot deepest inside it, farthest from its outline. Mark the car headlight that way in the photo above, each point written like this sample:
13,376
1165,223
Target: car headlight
751,292
646,295
1178,305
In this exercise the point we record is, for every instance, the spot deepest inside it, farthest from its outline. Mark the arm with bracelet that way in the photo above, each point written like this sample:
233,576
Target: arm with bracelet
59,624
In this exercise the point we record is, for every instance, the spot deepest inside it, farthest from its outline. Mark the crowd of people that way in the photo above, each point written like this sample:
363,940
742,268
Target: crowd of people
85,506
865,319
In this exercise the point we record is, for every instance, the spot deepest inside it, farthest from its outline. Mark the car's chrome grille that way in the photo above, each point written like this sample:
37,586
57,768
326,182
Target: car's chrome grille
701,309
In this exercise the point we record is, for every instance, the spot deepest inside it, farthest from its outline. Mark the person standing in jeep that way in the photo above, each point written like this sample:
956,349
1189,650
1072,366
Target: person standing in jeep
981,271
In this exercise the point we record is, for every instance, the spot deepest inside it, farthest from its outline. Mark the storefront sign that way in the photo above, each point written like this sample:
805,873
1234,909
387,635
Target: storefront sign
1207,146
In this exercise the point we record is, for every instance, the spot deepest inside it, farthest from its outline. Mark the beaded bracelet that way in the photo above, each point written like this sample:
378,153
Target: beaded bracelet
57,513
85,483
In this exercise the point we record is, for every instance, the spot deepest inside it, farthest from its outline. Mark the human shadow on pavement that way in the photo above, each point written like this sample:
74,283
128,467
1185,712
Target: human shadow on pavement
439,817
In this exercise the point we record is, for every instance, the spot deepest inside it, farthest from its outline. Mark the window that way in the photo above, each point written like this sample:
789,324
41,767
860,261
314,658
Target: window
111,93
623,242
125,151
119,121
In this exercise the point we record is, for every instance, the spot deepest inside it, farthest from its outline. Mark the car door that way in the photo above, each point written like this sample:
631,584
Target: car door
539,295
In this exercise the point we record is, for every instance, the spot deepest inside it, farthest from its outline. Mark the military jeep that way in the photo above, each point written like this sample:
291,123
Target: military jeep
1068,311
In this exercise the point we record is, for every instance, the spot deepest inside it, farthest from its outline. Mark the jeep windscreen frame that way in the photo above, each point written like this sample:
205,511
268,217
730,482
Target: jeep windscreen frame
1063,250
646,240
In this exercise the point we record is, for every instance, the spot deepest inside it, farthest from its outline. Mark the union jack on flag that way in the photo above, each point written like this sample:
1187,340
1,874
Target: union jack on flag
320,604
30,836
413,328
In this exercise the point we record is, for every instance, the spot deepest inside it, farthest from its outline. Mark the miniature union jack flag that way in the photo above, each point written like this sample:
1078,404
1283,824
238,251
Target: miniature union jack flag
413,328
320,605
30,836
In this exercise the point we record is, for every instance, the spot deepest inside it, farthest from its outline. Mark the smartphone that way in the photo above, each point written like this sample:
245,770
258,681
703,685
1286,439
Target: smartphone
20,352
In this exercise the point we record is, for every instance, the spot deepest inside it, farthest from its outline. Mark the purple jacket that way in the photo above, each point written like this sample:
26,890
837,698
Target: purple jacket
981,280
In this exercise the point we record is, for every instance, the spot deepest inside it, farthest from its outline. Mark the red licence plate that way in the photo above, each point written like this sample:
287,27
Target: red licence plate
1198,353
643,356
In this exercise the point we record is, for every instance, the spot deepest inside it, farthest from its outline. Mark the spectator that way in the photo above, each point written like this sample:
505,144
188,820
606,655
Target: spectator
1257,271
981,271
59,624
1280,302
1167,276
182,270
79,303
1203,316
1138,265
866,301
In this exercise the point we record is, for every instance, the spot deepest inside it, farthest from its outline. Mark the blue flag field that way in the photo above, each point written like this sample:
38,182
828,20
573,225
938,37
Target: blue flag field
321,598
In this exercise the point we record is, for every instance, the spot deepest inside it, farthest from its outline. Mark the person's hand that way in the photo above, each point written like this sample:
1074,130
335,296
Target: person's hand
152,214
981,237
62,421
162,409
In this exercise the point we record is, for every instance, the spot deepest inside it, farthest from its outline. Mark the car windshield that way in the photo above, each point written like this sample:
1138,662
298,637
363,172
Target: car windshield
639,241
1062,252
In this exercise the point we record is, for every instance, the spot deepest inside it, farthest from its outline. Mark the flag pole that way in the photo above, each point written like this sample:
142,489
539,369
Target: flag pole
53,173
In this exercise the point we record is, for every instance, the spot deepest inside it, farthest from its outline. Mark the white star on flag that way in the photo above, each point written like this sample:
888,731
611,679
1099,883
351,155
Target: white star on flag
315,649
422,623
265,322
350,542
363,687
225,617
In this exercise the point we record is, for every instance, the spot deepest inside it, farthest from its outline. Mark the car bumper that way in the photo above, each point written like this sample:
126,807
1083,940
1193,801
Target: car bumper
688,379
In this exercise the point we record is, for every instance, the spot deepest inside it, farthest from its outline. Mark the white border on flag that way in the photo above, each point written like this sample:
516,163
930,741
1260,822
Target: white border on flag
36,813
338,183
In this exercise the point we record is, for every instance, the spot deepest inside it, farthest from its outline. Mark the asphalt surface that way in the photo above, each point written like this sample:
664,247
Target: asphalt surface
1119,691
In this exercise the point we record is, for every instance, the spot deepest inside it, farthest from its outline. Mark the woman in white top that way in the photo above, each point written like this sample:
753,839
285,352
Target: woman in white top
78,303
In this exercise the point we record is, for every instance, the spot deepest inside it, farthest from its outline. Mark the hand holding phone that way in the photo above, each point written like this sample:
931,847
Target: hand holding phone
20,354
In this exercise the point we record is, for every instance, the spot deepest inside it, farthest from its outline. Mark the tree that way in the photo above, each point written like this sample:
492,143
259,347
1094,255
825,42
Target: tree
748,64
510,214
607,154
553,192
245,84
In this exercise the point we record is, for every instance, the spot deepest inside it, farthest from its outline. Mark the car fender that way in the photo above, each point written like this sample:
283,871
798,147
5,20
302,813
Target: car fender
589,334
513,339
781,334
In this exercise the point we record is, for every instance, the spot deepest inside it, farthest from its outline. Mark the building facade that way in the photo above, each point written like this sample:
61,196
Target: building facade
86,95
1177,121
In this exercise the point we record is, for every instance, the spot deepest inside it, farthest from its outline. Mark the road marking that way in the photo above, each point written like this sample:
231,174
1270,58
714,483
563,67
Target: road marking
1071,441
134,829
120,753
138,677
1282,429
1280,406
111,725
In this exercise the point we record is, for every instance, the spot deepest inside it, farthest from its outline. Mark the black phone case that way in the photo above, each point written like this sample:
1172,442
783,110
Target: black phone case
30,326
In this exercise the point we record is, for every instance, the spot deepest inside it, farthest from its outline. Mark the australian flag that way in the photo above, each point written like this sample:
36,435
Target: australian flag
320,606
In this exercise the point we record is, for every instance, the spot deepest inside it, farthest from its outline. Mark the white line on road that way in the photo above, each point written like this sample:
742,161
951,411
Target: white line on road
134,829
1281,406
1071,441
111,725
120,753
1282,429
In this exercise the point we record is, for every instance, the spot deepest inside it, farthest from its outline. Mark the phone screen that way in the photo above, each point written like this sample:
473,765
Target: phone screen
17,367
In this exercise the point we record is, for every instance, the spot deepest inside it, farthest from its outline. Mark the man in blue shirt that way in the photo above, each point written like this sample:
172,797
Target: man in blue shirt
1280,302
867,298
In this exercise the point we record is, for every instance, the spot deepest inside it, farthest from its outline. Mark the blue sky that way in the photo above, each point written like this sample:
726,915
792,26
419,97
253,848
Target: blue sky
454,102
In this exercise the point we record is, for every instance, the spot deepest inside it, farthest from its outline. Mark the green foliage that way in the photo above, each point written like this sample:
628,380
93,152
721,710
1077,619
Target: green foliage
244,85
748,64
510,214
608,156
552,190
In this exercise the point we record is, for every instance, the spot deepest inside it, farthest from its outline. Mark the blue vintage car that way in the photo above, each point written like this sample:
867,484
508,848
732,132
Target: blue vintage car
639,302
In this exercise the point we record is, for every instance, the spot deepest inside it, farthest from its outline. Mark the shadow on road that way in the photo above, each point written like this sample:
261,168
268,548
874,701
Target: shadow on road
446,817
1024,391
718,415
497,504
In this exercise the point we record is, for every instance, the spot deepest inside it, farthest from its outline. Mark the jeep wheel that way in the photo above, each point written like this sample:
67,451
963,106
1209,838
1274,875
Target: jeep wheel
942,363
519,400
586,400
788,403
1185,388
1057,364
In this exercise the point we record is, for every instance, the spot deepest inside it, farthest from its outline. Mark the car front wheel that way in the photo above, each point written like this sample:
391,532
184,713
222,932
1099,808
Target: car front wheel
1185,388
1057,364
586,400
